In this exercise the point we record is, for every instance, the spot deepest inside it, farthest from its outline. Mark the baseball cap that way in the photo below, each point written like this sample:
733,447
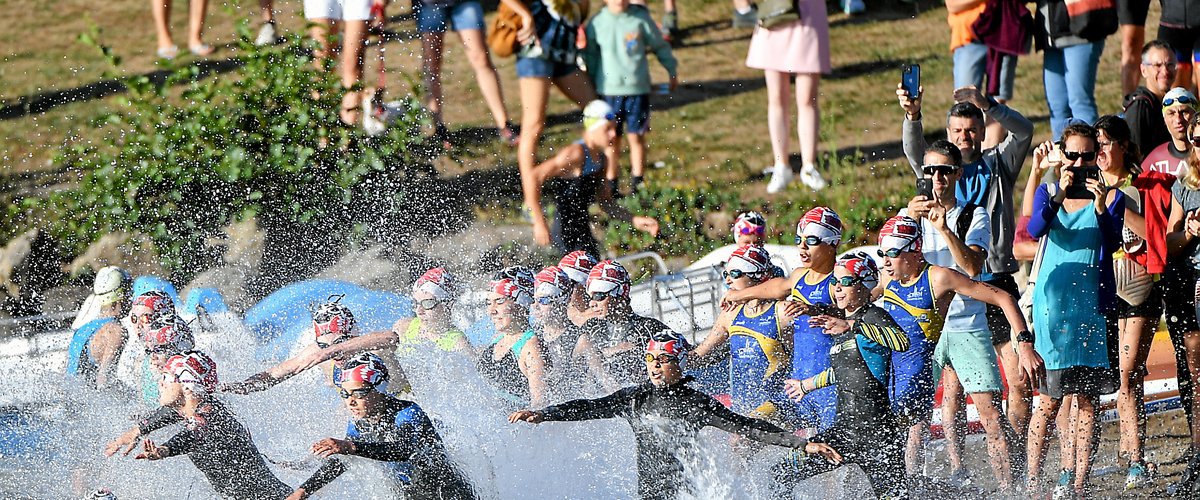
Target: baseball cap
823,223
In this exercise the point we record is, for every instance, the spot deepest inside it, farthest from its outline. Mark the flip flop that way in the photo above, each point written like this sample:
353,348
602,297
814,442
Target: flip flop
201,50
167,52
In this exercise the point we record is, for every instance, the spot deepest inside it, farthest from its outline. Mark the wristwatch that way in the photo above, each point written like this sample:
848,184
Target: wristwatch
1025,336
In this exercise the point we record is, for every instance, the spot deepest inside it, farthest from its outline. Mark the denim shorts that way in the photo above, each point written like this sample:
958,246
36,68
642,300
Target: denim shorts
536,67
633,112
456,16
970,66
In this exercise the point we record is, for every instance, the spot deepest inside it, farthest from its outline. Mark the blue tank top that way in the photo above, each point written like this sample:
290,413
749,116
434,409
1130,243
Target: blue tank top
759,360
810,345
79,360
913,307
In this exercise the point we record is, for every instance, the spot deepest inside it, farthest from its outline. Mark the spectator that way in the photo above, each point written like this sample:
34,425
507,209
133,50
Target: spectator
800,48
1068,67
326,19
1118,160
1179,106
1143,106
1074,301
167,49
988,179
465,17
546,57
1131,16
619,38
1183,248
1178,25
956,235
580,169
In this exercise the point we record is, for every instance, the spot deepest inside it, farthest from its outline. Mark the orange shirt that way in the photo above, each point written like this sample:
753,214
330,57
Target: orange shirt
960,25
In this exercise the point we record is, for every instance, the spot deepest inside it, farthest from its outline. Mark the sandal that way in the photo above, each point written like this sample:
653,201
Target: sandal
201,50
167,53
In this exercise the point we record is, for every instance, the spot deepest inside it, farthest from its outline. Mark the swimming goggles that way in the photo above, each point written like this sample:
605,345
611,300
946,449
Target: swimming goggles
356,393
895,252
662,358
809,240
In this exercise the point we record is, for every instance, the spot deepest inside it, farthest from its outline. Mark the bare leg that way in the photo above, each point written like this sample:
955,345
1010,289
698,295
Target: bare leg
485,75
1020,397
1035,446
1136,335
534,93
953,401
637,154
1085,439
914,456
266,10
778,121
808,116
612,171
162,25
431,72
1066,432
1183,77
997,440
197,9
1132,39
322,30
353,46
577,88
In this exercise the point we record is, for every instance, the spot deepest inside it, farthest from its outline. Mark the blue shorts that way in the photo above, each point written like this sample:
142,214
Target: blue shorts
817,409
912,381
633,113
457,16
536,67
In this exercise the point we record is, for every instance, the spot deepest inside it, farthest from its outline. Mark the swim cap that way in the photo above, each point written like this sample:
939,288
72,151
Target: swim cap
749,259
1179,96
577,265
103,494
823,223
552,282
437,282
160,304
861,266
513,289
596,114
170,333
195,370
609,276
670,342
521,275
366,368
899,232
750,223
333,318
111,284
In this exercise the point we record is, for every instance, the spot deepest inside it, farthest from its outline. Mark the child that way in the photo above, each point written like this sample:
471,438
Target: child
618,39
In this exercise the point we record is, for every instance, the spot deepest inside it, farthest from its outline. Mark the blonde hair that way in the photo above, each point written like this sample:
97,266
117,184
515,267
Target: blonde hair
1189,172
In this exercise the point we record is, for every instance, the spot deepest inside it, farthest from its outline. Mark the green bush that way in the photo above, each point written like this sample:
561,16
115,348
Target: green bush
182,157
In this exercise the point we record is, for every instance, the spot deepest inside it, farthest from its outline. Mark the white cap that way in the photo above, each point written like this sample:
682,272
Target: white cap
597,113
112,283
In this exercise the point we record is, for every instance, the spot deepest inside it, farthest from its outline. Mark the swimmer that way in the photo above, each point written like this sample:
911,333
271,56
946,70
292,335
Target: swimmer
615,334
96,346
577,265
513,363
566,364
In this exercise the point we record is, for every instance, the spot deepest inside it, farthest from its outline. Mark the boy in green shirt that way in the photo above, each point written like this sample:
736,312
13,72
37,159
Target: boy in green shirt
618,39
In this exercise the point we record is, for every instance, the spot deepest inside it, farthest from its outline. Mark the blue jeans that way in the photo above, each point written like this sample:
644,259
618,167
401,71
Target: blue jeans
1069,76
970,65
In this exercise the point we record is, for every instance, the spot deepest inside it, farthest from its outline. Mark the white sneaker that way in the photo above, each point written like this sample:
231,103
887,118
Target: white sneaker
266,35
780,177
811,178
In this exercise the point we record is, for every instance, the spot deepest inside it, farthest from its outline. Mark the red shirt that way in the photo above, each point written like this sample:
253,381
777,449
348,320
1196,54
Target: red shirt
1165,159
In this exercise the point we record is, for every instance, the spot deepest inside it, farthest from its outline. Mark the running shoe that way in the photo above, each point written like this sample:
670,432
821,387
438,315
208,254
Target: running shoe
266,34
780,178
811,178
1138,476
960,478
1064,490
747,20
852,7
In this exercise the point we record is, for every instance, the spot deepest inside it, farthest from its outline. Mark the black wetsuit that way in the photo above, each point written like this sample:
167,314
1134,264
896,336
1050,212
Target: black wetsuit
665,421
505,374
865,431
222,449
564,373
626,367
404,437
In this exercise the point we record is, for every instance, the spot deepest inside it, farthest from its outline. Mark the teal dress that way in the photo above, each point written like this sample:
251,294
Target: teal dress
1066,300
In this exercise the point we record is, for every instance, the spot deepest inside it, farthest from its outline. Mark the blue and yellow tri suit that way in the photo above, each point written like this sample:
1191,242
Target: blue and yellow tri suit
914,308
810,351
759,362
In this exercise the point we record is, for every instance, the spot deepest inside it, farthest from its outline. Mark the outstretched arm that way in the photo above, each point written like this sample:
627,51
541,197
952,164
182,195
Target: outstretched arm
716,415
275,374
329,471
590,409
772,289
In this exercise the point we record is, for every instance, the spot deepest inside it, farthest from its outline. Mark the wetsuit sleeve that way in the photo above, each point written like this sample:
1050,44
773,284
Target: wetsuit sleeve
879,327
329,471
715,415
161,417
608,406
386,451
180,444
823,379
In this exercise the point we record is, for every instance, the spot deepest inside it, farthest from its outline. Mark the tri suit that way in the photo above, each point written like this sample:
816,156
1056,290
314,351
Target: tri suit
810,350
913,306
759,362
80,362
504,375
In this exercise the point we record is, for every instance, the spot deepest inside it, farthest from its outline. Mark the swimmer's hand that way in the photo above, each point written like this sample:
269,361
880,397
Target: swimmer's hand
796,308
830,324
332,446
123,443
151,451
825,451
728,303
796,389
533,417
299,494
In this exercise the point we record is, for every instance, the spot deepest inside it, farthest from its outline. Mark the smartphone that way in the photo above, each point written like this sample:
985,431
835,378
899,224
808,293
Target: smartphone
1078,189
925,188
910,79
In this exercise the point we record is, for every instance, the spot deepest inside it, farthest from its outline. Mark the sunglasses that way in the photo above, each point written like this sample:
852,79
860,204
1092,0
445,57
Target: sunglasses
1196,142
356,394
895,252
1183,99
336,341
736,273
599,296
930,170
1076,155
848,280
428,304
662,358
809,240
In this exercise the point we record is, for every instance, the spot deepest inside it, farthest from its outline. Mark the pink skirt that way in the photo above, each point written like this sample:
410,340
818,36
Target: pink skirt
800,47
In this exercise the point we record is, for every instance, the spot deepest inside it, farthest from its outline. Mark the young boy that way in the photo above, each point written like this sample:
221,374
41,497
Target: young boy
618,39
